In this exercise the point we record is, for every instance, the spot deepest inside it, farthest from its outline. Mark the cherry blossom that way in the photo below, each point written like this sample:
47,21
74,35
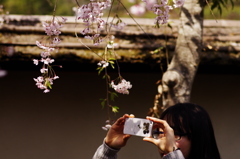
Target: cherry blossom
35,61
91,14
149,3
138,9
122,87
164,2
85,31
162,9
55,77
46,91
42,83
51,28
112,45
162,12
64,20
45,54
119,26
56,41
108,125
41,46
103,64
47,60
43,70
3,73
178,3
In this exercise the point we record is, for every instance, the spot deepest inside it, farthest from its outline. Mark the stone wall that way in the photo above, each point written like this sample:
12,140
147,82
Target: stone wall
136,43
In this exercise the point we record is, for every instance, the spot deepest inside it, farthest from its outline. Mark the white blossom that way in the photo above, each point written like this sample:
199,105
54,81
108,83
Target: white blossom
103,64
122,87
35,61
178,3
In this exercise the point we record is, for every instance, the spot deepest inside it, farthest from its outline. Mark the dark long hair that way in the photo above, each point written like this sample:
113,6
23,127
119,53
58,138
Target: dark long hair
194,121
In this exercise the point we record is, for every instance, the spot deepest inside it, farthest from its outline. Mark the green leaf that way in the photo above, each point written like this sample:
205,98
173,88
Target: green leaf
112,59
103,102
112,65
106,76
113,95
115,109
157,50
111,62
220,4
100,69
48,84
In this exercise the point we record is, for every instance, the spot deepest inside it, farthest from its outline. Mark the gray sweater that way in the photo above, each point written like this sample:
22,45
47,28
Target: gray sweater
105,152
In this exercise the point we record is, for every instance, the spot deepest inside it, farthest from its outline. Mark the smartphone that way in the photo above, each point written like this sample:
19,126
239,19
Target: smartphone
138,127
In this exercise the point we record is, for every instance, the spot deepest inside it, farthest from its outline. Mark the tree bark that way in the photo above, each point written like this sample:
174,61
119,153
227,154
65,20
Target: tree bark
178,79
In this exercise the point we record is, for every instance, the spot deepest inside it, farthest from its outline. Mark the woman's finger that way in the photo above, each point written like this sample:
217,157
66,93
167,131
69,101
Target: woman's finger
160,123
150,139
131,116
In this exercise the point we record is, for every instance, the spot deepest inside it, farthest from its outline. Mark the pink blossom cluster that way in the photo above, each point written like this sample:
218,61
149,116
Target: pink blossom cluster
119,26
45,83
95,38
162,9
92,14
51,28
162,12
122,87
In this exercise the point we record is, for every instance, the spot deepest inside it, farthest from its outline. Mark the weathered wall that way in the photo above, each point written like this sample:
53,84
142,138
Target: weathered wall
66,123
18,37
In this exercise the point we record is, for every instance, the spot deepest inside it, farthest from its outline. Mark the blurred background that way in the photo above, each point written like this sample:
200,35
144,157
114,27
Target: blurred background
65,7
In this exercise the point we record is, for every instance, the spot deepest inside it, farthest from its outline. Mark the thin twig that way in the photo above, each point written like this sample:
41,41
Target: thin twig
54,10
77,3
134,20
211,10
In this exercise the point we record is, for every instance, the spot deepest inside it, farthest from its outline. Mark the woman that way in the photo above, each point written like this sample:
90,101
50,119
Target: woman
183,132
192,124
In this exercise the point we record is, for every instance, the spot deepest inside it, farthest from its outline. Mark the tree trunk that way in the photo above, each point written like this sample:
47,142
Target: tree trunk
178,79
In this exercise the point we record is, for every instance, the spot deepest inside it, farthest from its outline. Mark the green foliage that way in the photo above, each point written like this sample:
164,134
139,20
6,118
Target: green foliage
113,95
157,50
227,9
224,10
39,7
100,69
48,84
221,4
111,61
103,102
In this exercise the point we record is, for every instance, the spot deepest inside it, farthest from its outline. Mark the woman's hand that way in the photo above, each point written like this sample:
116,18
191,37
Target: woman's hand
115,137
166,143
